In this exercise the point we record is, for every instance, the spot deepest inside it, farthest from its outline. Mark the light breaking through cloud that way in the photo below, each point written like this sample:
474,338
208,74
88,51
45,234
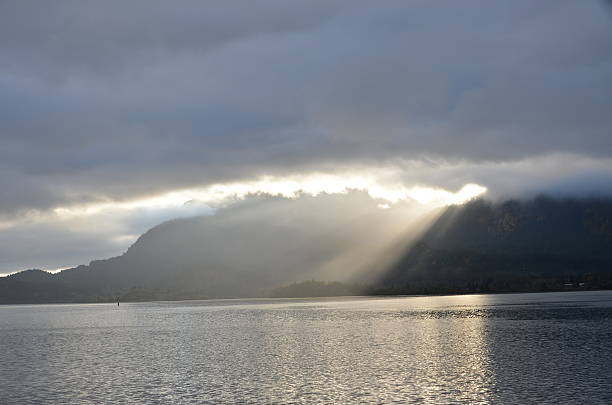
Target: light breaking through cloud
116,117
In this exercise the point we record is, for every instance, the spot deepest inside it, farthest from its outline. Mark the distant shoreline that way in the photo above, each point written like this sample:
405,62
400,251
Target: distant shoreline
235,299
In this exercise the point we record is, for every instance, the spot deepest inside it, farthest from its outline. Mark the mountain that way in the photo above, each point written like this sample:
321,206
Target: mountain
535,245
32,275
244,250
253,249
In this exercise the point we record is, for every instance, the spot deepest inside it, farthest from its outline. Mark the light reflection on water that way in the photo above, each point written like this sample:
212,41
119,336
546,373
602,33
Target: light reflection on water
509,349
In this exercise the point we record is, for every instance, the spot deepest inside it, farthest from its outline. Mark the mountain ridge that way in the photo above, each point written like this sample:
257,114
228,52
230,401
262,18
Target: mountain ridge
533,245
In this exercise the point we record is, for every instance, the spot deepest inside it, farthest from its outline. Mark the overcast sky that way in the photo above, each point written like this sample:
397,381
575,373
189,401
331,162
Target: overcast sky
113,114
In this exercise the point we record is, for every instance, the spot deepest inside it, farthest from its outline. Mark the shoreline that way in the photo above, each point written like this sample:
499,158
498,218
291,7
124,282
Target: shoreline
294,299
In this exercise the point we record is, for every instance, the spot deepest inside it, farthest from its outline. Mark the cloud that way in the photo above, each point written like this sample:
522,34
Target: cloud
64,238
74,234
123,101
70,235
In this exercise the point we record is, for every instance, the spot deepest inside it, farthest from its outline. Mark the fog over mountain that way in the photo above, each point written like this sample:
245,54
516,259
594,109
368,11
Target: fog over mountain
116,117
541,244
250,247
273,246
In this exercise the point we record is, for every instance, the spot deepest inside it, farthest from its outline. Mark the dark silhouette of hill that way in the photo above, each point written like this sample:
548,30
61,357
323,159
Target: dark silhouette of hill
32,275
252,249
243,250
535,245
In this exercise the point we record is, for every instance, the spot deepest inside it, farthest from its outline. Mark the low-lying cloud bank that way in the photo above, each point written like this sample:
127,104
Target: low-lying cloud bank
69,235
64,236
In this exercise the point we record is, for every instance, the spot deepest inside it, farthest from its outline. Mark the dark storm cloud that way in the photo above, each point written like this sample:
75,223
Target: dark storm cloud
121,98
75,37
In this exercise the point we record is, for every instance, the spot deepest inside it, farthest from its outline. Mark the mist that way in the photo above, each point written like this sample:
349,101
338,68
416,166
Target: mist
264,242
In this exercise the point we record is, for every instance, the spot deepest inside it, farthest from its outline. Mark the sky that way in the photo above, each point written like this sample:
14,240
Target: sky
116,116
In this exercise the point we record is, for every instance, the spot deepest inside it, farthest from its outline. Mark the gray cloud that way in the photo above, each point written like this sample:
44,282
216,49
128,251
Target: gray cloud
125,99
55,241
70,37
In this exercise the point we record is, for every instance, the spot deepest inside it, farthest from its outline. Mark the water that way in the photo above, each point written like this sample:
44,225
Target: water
506,349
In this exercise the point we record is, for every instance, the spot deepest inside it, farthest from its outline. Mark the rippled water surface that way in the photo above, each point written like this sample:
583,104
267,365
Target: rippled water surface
505,349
